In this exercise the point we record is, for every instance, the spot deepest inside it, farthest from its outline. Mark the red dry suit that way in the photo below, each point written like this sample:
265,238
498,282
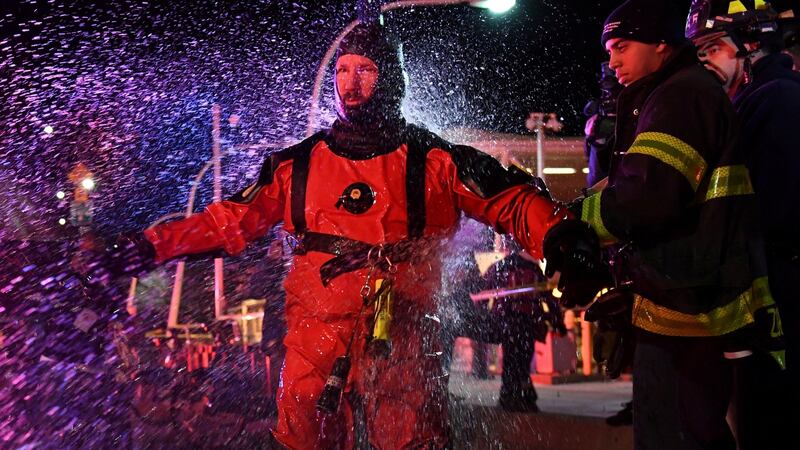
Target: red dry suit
404,397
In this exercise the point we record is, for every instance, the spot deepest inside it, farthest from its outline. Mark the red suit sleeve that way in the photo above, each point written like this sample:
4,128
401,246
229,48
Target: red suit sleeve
228,225
508,206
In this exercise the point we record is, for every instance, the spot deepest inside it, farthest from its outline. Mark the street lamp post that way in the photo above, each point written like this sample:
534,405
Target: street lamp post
496,6
220,302
539,122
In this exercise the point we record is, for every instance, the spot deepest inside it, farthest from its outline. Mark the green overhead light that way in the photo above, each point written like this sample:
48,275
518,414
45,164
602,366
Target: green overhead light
496,6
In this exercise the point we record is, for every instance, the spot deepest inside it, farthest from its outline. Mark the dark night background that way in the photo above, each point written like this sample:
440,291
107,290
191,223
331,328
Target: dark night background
127,86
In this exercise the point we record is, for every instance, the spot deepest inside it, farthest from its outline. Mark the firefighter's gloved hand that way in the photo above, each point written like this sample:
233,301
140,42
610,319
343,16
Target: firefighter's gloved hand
614,338
615,303
572,248
131,255
613,348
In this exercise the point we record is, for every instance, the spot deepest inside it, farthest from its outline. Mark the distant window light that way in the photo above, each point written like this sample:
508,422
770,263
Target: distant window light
559,171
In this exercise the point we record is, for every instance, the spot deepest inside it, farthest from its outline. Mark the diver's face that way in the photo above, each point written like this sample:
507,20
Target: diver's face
719,56
356,77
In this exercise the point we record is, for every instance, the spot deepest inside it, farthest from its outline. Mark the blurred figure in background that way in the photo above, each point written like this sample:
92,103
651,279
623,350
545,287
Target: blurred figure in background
602,118
509,304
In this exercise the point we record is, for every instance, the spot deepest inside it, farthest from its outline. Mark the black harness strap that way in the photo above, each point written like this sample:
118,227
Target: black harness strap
415,186
298,194
351,254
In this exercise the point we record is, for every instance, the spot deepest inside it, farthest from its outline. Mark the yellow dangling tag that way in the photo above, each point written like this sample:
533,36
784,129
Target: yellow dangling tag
381,343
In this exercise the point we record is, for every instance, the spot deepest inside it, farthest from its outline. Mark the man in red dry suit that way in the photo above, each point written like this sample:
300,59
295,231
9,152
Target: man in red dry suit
372,198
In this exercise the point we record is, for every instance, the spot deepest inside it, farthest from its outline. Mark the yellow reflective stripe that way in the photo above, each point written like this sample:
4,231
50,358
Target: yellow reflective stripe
717,322
673,152
727,181
591,214
736,6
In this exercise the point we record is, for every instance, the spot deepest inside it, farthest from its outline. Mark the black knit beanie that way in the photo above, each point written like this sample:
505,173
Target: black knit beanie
647,21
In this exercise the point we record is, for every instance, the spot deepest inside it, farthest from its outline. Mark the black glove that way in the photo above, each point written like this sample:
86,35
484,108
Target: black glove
614,338
617,303
131,255
613,348
572,248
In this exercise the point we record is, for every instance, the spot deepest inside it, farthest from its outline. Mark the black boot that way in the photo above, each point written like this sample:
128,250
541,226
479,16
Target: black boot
623,417
520,398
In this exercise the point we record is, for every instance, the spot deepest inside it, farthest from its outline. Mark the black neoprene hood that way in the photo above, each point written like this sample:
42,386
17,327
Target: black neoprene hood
373,42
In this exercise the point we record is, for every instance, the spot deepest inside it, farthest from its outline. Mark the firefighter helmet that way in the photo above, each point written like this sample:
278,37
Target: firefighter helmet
742,20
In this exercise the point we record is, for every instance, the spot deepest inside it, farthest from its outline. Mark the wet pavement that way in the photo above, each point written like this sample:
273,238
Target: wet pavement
572,416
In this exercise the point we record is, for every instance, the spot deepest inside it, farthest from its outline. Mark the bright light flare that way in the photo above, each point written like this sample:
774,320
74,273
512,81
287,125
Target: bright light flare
87,183
558,171
62,221
48,129
60,195
496,6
